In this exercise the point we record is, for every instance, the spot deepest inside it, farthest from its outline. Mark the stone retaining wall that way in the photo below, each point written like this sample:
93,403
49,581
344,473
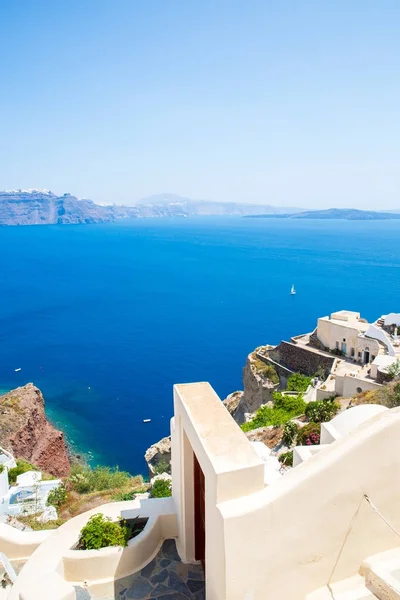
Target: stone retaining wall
300,360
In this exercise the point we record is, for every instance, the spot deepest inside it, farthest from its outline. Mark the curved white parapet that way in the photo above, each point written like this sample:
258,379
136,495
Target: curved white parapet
348,420
116,562
379,334
19,545
56,566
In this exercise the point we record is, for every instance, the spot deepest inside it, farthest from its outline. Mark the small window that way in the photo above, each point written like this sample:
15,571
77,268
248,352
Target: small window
337,345
358,390
359,355
373,357
352,352
344,339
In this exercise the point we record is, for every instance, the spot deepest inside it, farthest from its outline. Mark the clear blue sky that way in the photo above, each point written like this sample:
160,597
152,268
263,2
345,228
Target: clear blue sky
283,102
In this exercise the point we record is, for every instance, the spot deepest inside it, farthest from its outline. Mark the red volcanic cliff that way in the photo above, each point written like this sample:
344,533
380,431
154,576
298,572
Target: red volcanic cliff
26,432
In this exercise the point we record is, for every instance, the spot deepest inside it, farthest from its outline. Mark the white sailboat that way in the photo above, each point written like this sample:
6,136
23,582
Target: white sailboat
292,291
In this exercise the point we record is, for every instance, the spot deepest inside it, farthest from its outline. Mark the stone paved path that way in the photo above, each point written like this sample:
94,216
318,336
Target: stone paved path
164,578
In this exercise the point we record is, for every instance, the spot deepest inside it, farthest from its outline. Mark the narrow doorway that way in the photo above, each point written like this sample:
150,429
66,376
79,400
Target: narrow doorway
199,513
366,357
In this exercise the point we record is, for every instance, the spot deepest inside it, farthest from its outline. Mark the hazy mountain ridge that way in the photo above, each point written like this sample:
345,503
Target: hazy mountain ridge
191,207
349,214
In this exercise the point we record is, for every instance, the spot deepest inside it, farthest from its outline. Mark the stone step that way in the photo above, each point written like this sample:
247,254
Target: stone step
353,588
382,574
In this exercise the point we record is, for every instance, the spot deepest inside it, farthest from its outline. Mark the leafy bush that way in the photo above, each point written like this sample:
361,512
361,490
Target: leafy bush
57,496
265,370
161,488
101,532
124,496
389,395
290,431
298,382
22,467
83,479
286,458
394,370
284,409
322,410
309,435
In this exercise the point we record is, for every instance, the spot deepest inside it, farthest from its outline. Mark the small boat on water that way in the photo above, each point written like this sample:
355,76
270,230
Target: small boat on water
146,420
19,369
292,291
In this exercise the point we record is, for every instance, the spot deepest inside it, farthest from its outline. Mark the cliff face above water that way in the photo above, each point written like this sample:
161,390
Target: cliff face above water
258,389
25,431
42,207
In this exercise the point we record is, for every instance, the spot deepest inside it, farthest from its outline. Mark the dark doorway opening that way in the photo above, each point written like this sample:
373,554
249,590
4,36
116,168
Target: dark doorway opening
199,513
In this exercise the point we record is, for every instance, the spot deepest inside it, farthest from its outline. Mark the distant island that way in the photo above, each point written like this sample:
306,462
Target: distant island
349,214
43,207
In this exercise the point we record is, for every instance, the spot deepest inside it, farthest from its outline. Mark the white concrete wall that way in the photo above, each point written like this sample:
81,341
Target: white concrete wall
4,483
392,319
379,334
348,420
284,542
352,385
19,545
231,468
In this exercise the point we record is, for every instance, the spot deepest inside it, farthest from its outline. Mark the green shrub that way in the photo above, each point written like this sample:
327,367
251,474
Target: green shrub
290,404
309,435
83,479
57,496
124,496
322,410
284,409
161,488
298,382
22,467
290,431
394,370
101,532
286,458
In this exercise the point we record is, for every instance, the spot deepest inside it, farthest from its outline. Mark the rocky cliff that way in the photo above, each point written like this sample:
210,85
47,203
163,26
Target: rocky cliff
259,382
25,431
42,207
158,457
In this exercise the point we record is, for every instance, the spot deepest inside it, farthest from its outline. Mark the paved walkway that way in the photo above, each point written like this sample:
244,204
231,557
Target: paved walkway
164,578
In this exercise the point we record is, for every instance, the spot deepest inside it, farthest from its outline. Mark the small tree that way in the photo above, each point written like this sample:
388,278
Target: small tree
290,431
394,370
57,496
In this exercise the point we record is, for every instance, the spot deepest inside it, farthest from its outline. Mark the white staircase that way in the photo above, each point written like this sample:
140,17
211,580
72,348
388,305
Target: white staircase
379,577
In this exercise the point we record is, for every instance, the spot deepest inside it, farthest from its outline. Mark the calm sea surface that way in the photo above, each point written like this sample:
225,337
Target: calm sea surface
105,318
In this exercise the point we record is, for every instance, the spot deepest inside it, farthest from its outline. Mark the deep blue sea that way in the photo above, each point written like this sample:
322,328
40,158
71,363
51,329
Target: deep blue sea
106,318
